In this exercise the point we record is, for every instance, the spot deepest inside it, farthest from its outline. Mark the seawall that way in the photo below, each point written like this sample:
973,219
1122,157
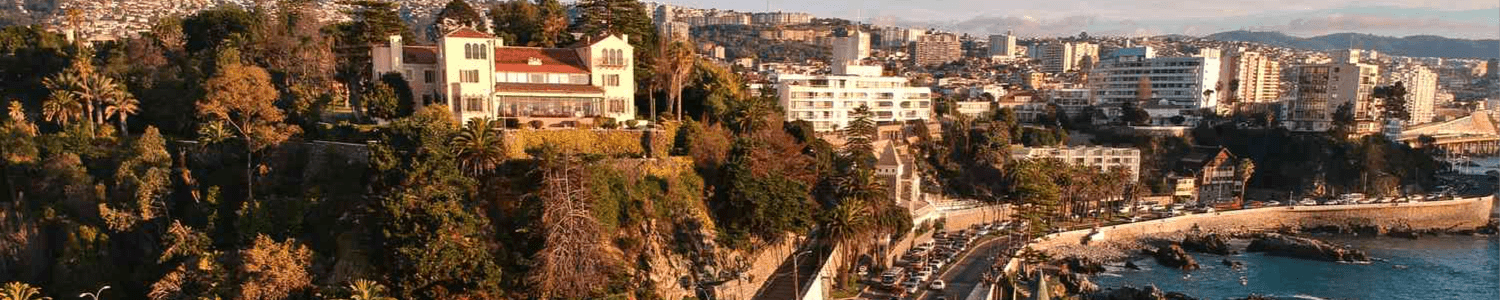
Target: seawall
1462,213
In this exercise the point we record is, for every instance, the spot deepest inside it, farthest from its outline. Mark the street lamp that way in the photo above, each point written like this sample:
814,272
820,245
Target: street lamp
95,294
796,270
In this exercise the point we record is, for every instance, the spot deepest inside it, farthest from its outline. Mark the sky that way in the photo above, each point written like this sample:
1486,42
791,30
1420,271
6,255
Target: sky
1471,19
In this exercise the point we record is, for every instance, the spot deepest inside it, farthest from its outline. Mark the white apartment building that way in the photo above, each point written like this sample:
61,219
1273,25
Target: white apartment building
897,37
1249,77
1322,88
781,18
1180,81
1003,46
827,100
1058,57
1105,158
1421,91
476,75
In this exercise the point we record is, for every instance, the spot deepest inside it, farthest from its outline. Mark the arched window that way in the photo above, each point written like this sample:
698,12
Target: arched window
484,51
468,51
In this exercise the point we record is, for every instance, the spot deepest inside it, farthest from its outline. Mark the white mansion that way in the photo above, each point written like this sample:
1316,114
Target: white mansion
477,75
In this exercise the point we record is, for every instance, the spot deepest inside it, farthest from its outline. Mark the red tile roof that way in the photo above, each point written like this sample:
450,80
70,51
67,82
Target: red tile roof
553,60
547,88
466,32
419,54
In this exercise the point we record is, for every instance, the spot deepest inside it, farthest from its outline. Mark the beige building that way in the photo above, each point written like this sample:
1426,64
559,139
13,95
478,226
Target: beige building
1249,77
1058,57
851,48
1105,158
1421,91
936,49
1322,88
1003,46
476,75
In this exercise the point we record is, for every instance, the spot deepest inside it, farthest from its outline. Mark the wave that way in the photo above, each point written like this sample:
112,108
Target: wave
1301,296
1110,274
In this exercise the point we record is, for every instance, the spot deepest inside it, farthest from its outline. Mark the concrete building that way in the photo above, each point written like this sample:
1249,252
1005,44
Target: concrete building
1322,88
1072,101
1059,57
780,18
476,75
827,100
1421,90
1179,81
677,31
897,37
1003,46
977,108
936,49
1106,158
1248,77
721,18
850,49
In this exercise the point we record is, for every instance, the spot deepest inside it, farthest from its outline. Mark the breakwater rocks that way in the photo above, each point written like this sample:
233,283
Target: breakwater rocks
1306,248
1173,256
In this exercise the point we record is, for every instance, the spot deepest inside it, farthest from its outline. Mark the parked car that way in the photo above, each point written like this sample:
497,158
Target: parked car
937,285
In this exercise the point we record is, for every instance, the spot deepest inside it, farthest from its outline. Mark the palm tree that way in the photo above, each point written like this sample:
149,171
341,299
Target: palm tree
122,108
95,90
367,290
845,225
1244,171
673,63
21,291
479,147
62,107
862,185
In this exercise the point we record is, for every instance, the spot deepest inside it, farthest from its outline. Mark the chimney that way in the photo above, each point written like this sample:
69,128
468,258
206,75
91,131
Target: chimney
394,42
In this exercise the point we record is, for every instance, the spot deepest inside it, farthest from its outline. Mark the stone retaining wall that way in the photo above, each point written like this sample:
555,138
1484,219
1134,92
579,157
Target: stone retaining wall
763,265
1465,213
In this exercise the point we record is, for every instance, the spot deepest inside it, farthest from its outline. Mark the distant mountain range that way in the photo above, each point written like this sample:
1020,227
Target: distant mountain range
1415,46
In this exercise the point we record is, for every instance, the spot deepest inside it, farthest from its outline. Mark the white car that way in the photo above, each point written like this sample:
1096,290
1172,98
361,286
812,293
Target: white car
937,285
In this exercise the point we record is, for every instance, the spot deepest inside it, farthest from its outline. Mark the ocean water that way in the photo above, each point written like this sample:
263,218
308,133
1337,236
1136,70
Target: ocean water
1450,267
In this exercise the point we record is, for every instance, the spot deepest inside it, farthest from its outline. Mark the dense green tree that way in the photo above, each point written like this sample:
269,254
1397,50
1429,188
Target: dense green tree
458,13
381,101
223,26
242,98
1393,101
859,138
480,147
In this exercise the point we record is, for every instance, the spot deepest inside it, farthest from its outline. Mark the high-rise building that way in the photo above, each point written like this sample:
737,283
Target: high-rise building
934,49
1179,81
1058,57
851,48
1249,77
1322,88
780,18
1421,91
1003,46
827,100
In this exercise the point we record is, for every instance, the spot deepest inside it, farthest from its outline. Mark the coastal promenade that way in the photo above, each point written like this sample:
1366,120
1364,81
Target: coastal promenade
1460,213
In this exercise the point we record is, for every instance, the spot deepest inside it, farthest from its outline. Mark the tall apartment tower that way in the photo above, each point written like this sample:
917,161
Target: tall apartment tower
1421,91
934,49
1249,77
1322,88
1003,46
851,48
1059,57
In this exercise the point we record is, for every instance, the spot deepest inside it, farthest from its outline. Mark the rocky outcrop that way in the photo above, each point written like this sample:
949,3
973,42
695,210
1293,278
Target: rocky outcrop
1492,228
1149,292
1083,265
1077,284
1173,256
1306,248
1211,243
1233,264
1257,297
1131,265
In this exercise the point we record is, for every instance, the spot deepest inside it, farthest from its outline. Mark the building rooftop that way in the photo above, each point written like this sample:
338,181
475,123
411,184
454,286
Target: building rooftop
547,60
426,55
466,32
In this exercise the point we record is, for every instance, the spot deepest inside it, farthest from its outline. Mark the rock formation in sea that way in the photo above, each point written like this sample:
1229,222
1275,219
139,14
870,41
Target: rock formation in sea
1173,256
1211,243
1306,248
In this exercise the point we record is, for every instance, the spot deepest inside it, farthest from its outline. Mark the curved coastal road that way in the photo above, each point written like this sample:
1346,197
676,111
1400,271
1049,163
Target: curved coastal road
969,271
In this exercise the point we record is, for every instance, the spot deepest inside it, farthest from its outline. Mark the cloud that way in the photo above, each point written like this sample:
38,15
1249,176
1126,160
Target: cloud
1337,23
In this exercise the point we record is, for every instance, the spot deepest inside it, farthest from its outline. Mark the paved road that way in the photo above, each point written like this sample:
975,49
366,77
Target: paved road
963,276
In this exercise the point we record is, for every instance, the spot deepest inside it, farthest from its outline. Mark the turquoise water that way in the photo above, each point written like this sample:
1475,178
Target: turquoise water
1429,268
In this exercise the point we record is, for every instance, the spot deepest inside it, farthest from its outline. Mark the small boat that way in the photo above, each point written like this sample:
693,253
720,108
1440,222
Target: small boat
1244,281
